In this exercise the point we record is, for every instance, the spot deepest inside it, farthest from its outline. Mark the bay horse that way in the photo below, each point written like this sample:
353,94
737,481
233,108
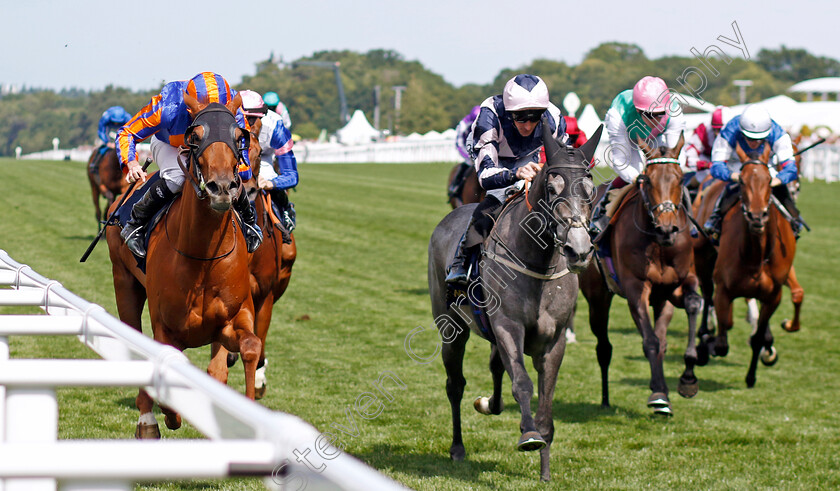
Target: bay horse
197,281
470,190
653,266
270,267
754,259
540,236
107,181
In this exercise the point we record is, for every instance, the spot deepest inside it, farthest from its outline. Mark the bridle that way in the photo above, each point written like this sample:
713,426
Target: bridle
659,209
219,125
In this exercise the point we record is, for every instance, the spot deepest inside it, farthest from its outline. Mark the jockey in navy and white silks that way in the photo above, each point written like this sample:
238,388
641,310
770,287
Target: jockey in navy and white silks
507,137
276,142
646,111
463,143
752,130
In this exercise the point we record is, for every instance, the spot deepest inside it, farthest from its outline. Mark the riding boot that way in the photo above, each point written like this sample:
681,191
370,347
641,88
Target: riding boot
252,232
133,233
455,187
457,270
599,221
724,202
94,164
796,221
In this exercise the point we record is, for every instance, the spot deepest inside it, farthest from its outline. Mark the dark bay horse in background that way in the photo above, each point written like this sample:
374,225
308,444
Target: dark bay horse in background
539,238
754,259
469,192
651,250
197,281
106,181
270,267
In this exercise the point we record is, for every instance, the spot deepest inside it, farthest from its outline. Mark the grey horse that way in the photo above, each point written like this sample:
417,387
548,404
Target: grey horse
539,238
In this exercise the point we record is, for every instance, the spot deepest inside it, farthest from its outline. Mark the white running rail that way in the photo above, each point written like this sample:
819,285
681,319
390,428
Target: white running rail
245,438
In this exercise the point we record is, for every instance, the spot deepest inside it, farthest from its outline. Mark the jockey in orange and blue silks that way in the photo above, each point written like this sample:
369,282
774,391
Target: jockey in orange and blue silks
165,119
752,130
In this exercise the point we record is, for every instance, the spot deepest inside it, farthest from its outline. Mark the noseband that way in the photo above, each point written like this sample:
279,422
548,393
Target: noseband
219,125
748,216
656,211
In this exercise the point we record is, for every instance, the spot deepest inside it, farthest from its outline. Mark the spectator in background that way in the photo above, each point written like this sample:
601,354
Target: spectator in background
272,100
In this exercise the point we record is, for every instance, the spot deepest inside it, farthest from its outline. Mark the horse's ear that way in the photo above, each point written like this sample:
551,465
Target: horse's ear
676,150
235,104
765,156
742,155
192,104
645,148
589,147
552,146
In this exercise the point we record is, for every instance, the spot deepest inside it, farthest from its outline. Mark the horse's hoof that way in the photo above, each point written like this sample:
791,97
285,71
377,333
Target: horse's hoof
482,405
721,351
750,381
259,392
660,403
457,453
530,441
688,389
173,422
788,326
147,432
231,359
769,357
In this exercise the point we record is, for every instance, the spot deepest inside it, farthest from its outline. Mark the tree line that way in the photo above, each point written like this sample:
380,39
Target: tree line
33,118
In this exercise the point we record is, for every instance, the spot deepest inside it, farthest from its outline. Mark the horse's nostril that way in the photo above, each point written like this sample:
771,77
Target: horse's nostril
212,187
233,184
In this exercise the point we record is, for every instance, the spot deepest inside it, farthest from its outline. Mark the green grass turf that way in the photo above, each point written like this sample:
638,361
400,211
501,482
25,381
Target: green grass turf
360,278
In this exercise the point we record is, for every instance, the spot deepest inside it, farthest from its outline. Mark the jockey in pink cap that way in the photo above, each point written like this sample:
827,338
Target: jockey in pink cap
646,111
698,151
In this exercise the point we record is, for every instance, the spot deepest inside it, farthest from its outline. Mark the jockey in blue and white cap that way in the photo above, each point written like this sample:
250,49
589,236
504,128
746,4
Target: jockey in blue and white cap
507,137
751,130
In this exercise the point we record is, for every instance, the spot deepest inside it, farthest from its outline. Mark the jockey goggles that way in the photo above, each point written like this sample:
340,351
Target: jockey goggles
527,116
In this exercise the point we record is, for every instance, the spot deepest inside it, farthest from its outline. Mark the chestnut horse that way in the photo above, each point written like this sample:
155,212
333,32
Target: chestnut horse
754,259
197,279
653,260
107,181
470,191
270,267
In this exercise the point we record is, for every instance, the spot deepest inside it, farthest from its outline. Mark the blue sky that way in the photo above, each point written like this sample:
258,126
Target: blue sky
90,44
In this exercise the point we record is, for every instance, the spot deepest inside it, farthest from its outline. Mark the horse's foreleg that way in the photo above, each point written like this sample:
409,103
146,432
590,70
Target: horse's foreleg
239,336
762,339
453,360
692,303
218,367
638,299
493,404
723,312
797,295
663,312
511,343
263,320
147,426
547,367
599,318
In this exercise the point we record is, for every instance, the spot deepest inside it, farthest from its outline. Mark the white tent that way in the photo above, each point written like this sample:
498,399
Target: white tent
357,131
589,121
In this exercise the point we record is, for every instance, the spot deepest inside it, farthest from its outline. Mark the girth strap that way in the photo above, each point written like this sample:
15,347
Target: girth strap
525,271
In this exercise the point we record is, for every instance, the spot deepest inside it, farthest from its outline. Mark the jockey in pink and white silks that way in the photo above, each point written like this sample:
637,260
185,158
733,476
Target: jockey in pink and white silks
751,130
646,111
463,141
507,137
276,143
